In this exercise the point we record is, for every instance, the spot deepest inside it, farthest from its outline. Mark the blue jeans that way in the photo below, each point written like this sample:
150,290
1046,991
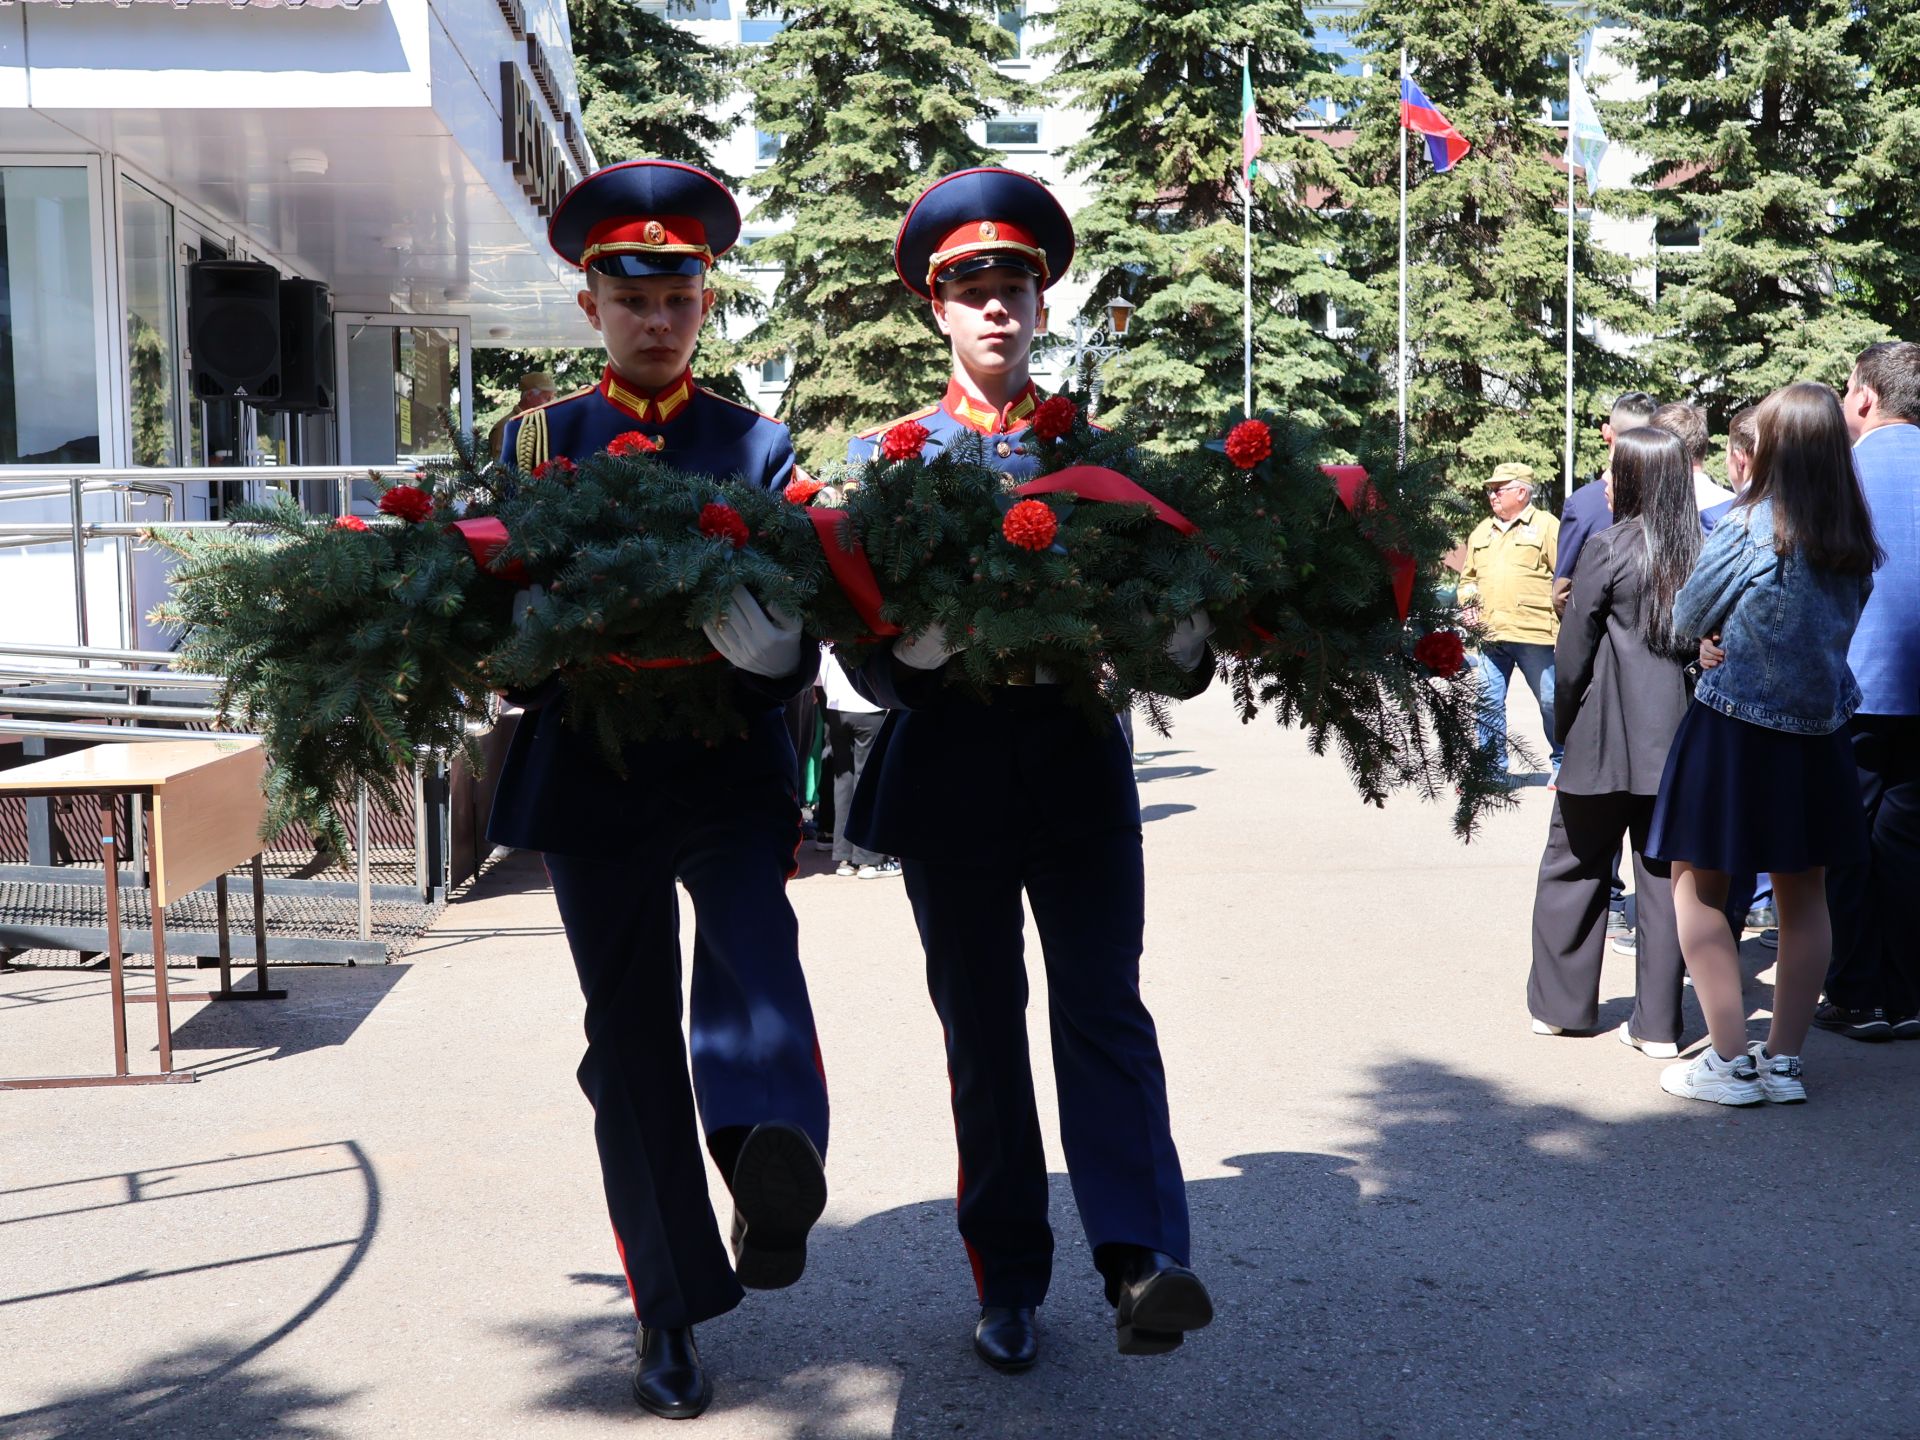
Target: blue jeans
1497,664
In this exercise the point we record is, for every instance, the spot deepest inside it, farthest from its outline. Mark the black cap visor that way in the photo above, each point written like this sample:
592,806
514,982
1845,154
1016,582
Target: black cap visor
631,266
990,260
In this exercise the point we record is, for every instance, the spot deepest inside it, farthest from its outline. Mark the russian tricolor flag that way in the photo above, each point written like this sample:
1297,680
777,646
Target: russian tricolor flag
1444,143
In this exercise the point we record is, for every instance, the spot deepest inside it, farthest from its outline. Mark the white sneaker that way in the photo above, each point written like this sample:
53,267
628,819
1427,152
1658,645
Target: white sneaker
1707,1077
1540,1027
1654,1049
884,870
1780,1078
846,867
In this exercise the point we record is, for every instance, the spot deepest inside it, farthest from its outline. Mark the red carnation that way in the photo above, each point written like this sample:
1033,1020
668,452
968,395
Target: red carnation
1055,418
802,488
559,467
632,443
904,440
1443,652
409,502
1248,443
723,522
1030,525
349,522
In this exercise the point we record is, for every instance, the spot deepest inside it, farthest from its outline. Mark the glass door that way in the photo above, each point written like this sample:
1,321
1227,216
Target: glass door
407,379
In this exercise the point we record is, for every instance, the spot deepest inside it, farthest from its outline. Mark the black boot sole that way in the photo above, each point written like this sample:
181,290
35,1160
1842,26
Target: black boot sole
779,1190
1170,1304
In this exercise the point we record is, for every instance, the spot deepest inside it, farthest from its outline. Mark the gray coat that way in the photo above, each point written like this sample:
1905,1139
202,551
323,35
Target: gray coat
1616,703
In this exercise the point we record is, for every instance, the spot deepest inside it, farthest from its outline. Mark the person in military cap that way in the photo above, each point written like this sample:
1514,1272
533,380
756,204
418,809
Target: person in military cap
536,389
982,245
721,819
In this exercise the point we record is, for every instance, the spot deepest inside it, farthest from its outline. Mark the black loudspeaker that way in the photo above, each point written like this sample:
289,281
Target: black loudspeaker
306,347
233,330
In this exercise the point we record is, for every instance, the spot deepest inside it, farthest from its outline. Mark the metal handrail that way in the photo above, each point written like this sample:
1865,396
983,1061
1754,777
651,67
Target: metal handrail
79,730
87,652
30,705
120,679
150,474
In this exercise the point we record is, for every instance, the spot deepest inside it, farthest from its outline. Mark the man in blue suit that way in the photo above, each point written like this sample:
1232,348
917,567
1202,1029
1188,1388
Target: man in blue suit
1873,988
1063,814
720,819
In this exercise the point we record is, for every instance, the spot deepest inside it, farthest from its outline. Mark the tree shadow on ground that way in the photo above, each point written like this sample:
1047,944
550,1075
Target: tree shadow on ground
1481,1265
166,1400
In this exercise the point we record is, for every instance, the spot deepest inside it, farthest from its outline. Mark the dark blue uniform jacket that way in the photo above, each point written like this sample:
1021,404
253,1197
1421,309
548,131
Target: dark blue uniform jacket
555,793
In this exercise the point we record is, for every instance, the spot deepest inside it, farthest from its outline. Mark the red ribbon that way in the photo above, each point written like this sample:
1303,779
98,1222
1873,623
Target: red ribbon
851,568
486,538
1094,482
1358,495
667,662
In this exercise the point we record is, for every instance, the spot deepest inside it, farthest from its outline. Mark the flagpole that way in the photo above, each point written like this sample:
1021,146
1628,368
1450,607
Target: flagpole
1569,152
1402,131
1246,262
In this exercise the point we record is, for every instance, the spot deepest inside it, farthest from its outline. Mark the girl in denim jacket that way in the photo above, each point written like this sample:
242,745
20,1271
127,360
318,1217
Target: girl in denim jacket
1760,776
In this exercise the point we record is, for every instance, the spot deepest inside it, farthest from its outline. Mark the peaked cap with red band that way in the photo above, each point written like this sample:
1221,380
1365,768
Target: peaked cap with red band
645,217
975,219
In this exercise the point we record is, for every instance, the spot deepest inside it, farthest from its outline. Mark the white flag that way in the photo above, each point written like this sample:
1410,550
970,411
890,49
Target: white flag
1586,141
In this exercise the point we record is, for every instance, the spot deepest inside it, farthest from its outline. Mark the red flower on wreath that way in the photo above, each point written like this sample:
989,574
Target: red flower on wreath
723,522
904,440
1248,443
1030,525
349,522
1443,652
632,443
409,502
559,467
1055,418
802,488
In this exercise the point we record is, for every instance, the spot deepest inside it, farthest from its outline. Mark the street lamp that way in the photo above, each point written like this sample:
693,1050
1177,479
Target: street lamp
1090,348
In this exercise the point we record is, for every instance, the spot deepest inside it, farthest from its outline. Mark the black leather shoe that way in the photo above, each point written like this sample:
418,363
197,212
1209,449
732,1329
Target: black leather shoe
779,1190
1157,1300
669,1379
1005,1337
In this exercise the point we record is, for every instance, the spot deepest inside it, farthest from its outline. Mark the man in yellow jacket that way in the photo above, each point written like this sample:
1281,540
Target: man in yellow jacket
1507,585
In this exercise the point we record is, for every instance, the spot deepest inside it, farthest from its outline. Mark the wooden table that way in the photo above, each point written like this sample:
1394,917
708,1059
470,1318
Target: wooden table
204,805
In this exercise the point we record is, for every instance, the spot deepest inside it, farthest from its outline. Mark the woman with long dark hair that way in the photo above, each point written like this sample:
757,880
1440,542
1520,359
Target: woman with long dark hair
1620,695
1761,775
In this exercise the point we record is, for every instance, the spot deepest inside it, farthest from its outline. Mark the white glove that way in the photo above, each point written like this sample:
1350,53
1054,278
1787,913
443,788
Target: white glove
927,651
1189,639
752,638
526,601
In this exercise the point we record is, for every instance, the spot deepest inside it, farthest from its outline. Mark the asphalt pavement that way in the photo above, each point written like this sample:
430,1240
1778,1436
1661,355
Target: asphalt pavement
378,1212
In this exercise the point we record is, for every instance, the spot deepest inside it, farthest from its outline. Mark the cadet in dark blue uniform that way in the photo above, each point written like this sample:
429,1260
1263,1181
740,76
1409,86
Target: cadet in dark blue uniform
1059,803
722,820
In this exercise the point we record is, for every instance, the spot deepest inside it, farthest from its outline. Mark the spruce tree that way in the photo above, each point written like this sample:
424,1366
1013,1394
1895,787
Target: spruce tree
1486,244
870,100
1755,114
1881,194
1162,84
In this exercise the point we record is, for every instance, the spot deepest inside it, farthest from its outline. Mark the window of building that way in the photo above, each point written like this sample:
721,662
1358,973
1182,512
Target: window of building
1014,132
146,243
773,373
758,29
1013,20
699,10
1344,57
766,147
1670,236
49,368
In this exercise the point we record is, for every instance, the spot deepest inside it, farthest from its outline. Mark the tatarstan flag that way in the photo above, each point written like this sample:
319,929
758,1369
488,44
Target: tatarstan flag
1444,143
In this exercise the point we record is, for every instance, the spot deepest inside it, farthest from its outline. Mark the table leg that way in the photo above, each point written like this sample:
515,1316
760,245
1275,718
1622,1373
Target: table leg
162,1010
110,859
226,943
261,990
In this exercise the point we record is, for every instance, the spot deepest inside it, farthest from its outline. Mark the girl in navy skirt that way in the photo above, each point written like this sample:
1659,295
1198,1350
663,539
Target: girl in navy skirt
1760,776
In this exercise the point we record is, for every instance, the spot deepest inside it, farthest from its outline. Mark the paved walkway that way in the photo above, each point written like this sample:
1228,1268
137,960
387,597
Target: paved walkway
378,1214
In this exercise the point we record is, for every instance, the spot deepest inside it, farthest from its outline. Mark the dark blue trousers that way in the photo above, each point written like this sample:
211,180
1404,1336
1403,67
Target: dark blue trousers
754,1057
1088,901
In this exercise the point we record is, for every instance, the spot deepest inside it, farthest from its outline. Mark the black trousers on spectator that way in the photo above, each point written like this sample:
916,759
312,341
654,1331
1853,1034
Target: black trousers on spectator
1570,918
850,735
1876,950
